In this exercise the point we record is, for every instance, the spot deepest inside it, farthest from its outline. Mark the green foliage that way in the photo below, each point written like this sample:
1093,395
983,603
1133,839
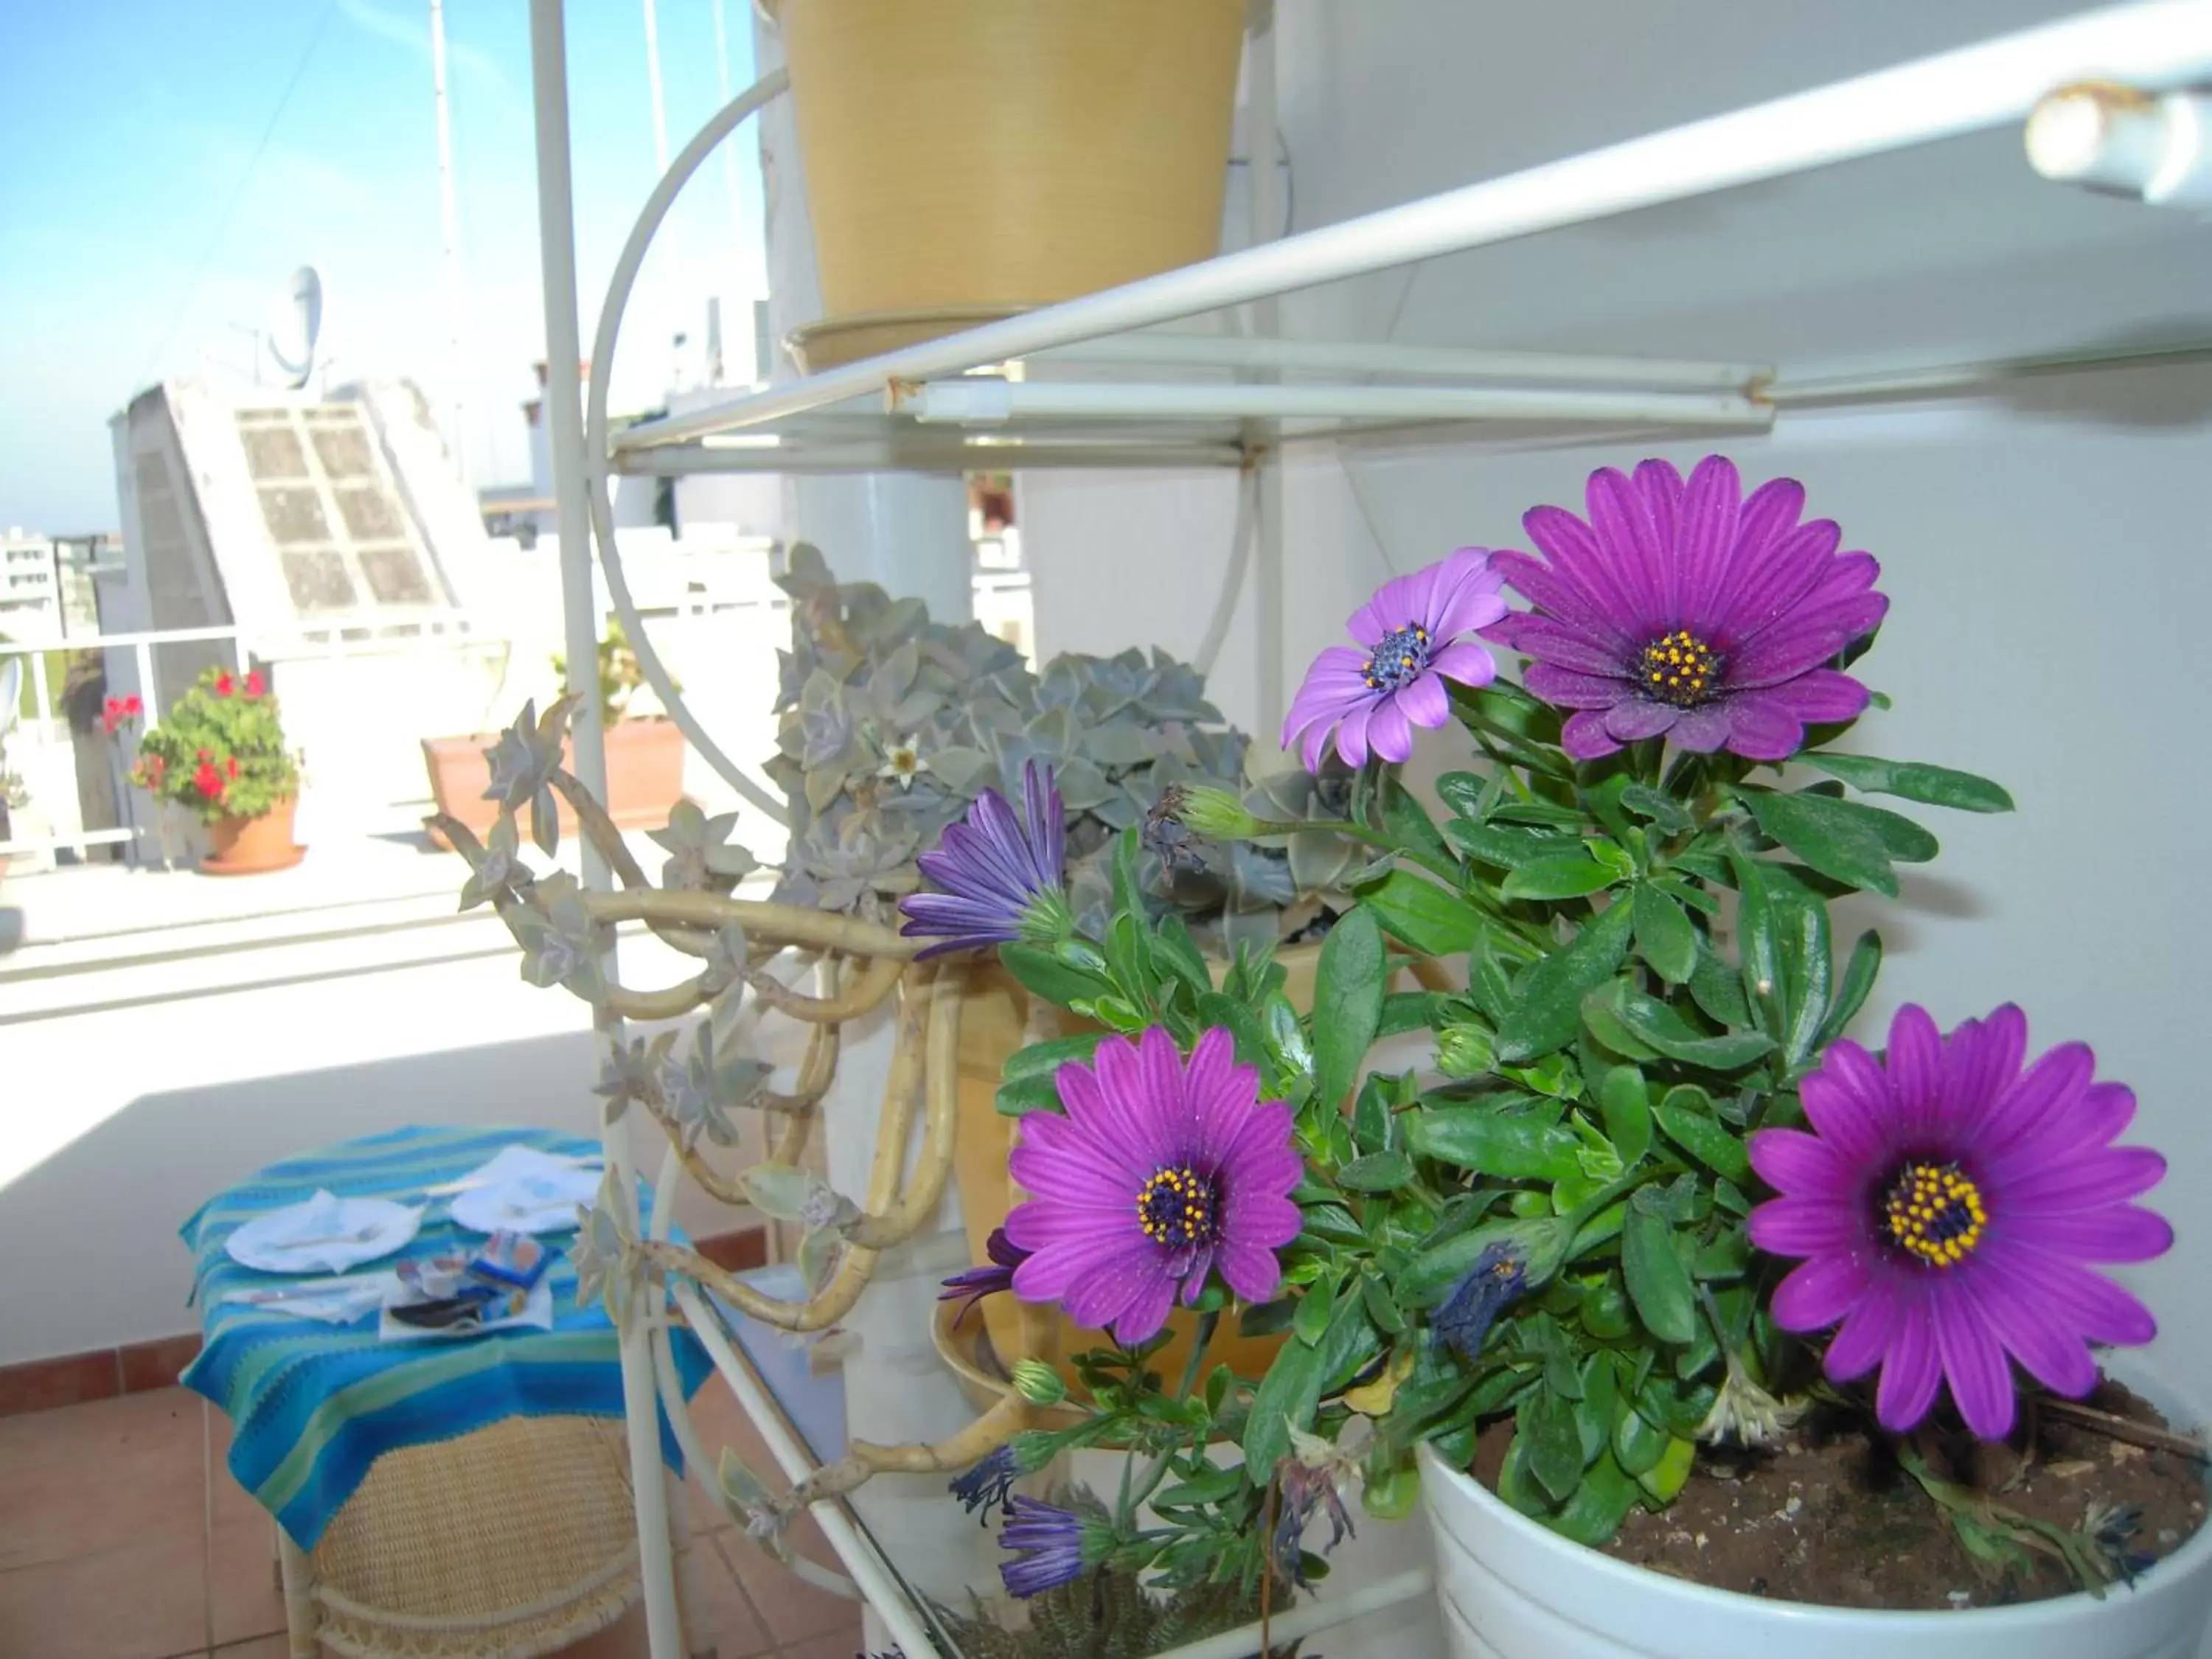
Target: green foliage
1604,1055
219,751
621,677
892,724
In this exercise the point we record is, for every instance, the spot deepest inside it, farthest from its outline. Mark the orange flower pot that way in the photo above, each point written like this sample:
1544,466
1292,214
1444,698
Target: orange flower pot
250,847
644,776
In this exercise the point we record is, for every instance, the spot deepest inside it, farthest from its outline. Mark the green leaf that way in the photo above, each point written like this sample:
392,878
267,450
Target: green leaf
1664,935
1850,997
1638,1443
1057,981
1174,951
1654,1022
1715,987
1657,1282
1664,1478
1664,810
1018,1096
1391,1494
1505,845
1292,1387
1347,1002
1378,1172
1218,1008
1551,1446
1547,1002
1046,1058
1595,1513
1515,1147
1409,1011
1932,785
1626,1103
1571,877
1685,1116
1386,1315
1310,1323
1828,834
1424,916
1407,822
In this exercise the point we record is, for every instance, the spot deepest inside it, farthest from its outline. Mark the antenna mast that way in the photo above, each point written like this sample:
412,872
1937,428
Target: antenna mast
449,215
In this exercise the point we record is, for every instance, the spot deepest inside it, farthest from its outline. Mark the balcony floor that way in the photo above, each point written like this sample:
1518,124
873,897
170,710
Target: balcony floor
123,1536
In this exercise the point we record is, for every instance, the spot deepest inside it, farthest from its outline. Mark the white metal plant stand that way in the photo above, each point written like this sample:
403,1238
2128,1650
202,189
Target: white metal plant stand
2108,94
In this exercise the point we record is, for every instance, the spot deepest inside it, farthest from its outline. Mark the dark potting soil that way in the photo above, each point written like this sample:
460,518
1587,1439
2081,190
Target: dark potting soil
1827,1517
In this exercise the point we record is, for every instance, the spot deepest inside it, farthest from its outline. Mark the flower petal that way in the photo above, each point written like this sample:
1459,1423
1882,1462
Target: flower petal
1635,718
1804,1226
1843,1117
1862,1341
1147,1310
1584,735
1791,1161
1704,536
1702,730
2109,1176
1759,729
2120,1232
1425,702
1817,697
1539,637
1352,735
1624,528
1819,1292
1565,688
1467,662
1554,590
2053,1352
1389,730
1915,1072
1972,1358
1909,1372
1252,1272
2096,1308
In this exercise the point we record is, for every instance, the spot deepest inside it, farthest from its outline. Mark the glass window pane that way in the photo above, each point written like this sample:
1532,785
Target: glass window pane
272,451
395,575
318,580
294,515
371,514
342,450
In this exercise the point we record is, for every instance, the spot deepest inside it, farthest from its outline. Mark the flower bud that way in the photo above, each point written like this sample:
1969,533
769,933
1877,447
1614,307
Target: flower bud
1215,813
1465,1051
1038,1383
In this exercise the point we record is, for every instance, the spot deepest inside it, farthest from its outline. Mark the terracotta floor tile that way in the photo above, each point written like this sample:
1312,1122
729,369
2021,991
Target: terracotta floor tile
242,1595
100,1476
834,1644
623,1639
231,1503
261,1647
720,1421
144,1601
793,1609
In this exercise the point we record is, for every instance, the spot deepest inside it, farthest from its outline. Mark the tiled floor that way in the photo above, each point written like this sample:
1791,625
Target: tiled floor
123,1536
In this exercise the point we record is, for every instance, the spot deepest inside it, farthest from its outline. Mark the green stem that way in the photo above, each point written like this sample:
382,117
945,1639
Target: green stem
1200,1341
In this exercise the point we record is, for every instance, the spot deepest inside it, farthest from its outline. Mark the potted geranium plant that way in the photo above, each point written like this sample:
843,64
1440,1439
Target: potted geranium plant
644,750
219,753
1649,1231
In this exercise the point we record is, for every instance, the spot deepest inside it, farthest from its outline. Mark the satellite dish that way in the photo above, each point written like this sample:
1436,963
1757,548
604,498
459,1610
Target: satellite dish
296,326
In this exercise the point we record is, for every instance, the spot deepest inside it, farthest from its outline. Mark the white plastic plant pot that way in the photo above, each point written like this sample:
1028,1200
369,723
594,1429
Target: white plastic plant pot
1513,1590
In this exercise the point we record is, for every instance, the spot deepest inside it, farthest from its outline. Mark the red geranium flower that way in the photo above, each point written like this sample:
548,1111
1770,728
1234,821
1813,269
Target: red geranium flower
232,766
132,707
207,781
207,754
224,685
255,685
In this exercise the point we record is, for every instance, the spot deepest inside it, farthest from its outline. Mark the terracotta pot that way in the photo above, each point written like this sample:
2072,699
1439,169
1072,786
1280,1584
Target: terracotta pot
993,1024
644,776
970,159
248,846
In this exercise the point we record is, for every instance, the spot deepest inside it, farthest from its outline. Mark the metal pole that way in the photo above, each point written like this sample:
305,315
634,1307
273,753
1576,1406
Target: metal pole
1269,588
449,216
749,289
564,437
652,73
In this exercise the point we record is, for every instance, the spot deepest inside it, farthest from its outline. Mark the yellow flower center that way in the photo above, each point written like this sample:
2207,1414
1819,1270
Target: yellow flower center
1678,668
1934,1213
1176,1207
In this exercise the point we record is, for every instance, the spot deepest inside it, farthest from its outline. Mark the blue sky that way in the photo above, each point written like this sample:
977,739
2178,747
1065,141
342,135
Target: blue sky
129,127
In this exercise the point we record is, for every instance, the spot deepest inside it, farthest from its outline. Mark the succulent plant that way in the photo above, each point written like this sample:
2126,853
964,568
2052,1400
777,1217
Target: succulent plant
892,723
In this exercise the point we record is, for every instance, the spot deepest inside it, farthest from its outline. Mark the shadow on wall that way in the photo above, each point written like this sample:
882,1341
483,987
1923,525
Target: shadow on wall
101,1215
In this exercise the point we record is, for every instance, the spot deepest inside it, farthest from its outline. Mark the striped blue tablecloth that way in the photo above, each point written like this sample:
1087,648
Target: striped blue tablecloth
312,1406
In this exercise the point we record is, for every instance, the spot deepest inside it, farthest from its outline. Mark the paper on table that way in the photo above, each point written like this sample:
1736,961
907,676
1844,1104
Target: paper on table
332,1301
525,1191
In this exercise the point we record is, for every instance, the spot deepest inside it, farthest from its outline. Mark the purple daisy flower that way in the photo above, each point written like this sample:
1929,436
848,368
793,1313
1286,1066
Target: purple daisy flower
1053,1545
1409,646
972,1284
1157,1174
1001,880
1687,611
1946,1204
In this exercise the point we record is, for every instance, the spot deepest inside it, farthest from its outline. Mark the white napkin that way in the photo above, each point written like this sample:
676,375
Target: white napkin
525,1191
332,1301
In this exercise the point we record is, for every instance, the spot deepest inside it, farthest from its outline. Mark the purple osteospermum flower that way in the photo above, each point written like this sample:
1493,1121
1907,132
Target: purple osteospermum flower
990,1483
1409,646
1156,1175
1052,1544
1001,880
1687,611
1947,1203
972,1284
